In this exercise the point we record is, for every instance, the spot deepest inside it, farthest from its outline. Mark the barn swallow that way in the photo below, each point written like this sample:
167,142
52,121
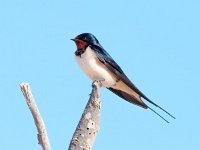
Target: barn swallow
97,64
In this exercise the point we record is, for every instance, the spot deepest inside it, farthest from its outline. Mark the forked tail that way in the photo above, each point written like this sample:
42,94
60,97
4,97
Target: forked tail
159,108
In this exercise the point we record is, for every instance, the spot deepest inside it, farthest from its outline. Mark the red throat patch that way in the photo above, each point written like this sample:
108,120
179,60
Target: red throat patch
80,44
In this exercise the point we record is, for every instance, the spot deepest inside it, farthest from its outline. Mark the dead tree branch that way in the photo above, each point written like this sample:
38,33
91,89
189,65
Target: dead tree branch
89,123
87,129
42,133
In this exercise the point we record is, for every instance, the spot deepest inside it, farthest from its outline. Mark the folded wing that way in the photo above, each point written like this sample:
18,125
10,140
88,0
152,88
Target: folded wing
124,87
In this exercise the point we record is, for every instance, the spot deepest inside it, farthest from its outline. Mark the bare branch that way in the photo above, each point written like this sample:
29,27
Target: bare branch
42,133
89,123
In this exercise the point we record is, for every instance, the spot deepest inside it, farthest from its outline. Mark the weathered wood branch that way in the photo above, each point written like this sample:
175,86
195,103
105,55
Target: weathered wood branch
42,133
89,123
87,129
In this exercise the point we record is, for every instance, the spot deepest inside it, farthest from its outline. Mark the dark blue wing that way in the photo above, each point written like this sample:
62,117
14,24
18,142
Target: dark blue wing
107,60
104,57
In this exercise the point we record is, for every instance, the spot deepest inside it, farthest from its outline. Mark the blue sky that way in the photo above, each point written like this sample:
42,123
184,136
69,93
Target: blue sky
156,43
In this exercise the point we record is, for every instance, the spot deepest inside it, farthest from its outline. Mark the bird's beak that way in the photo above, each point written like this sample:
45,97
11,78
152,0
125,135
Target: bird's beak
76,40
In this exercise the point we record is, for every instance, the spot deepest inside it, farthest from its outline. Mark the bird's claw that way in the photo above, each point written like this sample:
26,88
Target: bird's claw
98,82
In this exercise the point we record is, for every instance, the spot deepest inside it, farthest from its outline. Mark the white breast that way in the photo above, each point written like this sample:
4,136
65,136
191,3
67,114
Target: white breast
94,69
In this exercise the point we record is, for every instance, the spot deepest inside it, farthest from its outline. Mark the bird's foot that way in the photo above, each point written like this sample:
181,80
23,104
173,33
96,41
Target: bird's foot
98,82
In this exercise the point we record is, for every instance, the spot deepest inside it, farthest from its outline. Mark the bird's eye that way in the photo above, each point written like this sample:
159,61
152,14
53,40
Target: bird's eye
85,38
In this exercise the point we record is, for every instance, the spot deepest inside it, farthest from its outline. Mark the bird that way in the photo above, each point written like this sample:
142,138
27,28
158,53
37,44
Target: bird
98,65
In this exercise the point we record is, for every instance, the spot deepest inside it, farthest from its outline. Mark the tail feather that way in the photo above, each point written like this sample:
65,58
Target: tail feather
158,107
130,98
158,114
137,101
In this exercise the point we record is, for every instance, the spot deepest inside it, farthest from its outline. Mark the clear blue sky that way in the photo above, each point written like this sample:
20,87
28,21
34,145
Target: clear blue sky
155,42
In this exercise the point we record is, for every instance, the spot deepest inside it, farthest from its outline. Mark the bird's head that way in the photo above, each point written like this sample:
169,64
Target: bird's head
85,39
